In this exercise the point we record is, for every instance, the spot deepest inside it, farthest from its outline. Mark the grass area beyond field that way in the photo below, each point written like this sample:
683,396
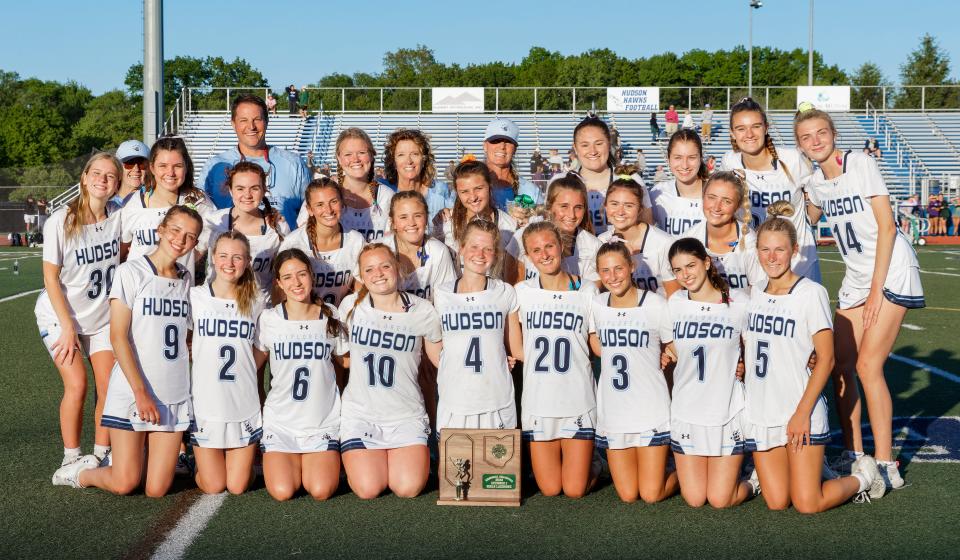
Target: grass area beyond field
42,521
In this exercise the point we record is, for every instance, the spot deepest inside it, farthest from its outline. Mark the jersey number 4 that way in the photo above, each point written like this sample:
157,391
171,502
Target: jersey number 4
850,243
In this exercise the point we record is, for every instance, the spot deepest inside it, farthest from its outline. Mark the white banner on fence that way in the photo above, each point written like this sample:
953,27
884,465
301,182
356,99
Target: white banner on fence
458,100
626,99
825,98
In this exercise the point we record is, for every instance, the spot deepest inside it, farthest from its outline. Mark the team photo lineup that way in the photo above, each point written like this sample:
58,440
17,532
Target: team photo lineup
673,336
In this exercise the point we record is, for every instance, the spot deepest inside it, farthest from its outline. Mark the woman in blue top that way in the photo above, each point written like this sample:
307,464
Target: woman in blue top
409,165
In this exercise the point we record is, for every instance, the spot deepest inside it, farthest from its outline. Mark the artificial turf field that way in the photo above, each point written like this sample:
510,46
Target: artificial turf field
38,520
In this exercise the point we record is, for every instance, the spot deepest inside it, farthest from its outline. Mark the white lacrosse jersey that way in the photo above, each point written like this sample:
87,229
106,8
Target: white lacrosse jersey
332,270
845,202
673,213
740,267
224,370
88,262
263,247
557,375
385,351
371,223
435,267
651,265
158,327
473,376
303,393
140,228
632,394
706,336
767,187
583,261
778,342
596,200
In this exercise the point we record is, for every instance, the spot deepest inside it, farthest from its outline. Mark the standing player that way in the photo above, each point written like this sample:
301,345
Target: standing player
148,399
628,326
264,229
475,384
705,414
226,401
882,281
333,249
567,210
678,204
81,251
425,262
785,417
301,416
366,202
384,428
592,143
558,405
169,183
648,244
474,201
731,244
772,174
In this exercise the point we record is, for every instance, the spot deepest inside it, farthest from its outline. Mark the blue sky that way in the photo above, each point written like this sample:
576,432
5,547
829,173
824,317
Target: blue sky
297,42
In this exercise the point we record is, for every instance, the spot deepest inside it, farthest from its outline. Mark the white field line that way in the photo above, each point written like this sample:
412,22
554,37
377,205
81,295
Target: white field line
20,295
926,367
179,539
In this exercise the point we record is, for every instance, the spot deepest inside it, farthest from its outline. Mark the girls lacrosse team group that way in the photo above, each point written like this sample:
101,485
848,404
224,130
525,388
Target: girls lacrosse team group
660,335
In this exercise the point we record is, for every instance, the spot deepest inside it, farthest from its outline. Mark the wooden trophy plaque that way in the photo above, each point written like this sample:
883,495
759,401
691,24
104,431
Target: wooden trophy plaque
479,468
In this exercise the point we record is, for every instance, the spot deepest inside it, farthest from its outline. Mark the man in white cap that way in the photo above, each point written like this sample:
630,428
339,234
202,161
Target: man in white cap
706,123
500,141
133,155
287,175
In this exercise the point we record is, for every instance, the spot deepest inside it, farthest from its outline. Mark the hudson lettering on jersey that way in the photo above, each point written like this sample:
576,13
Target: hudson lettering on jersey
736,280
624,338
146,237
771,324
648,283
563,320
380,339
842,206
227,328
370,234
762,199
472,320
305,350
97,253
261,264
163,307
676,226
697,329
332,279
421,292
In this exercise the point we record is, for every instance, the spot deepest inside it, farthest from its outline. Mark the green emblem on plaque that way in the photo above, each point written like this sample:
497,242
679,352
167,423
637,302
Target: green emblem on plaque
499,481
499,451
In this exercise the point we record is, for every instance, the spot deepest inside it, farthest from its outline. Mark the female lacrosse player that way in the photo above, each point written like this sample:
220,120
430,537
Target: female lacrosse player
678,204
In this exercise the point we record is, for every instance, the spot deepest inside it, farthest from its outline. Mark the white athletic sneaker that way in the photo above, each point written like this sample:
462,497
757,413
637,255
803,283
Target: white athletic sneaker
754,482
68,459
68,475
106,460
867,467
890,472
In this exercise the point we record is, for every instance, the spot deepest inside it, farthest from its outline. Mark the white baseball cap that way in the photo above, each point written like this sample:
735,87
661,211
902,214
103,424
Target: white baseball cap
501,128
132,149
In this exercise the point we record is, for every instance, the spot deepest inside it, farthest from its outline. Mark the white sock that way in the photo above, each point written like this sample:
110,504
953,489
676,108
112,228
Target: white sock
100,451
863,482
886,463
71,452
854,454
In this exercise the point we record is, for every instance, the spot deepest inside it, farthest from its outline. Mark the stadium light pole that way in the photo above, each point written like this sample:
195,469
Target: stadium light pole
810,48
152,70
754,5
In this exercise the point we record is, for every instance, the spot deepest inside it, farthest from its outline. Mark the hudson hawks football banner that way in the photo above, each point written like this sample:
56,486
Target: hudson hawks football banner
458,100
825,98
630,99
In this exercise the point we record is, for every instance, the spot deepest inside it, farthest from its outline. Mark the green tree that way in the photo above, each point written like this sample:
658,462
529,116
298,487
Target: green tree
201,73
928,64
867,81
107,121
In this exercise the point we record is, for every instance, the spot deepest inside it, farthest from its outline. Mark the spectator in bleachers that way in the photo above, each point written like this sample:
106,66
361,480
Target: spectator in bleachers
29,213
907,208
409,166
500,141
315,172
934,207
448,173
654,128
304,102
287,175
660,175
615,142
641,162
946,213
706,124
555,158
292,98
540,176
133,156
535,160
672,119
271,103
687,120
572,163
872,148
